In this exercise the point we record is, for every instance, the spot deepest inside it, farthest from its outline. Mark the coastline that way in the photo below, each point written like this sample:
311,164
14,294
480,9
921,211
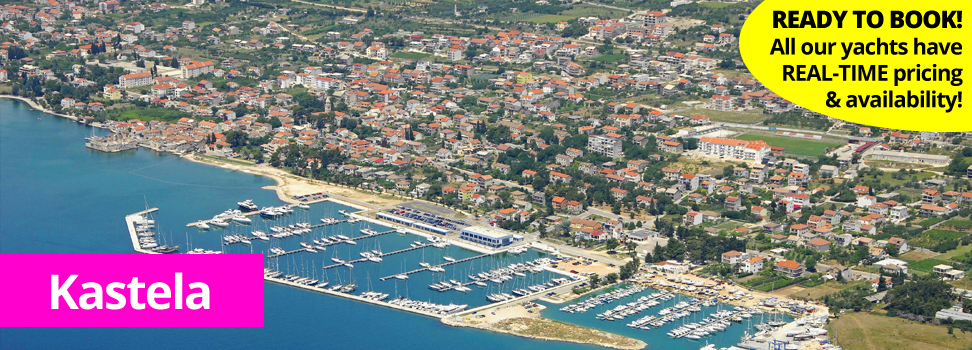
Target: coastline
33,104
288,185
533,326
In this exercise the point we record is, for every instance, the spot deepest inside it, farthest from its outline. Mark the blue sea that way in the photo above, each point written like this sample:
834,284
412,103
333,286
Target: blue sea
57,197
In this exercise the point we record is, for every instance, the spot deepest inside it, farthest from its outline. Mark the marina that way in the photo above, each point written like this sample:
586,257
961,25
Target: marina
665,318
114,190
344,257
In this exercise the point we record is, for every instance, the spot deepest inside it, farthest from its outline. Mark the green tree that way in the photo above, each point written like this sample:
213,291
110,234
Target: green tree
594,280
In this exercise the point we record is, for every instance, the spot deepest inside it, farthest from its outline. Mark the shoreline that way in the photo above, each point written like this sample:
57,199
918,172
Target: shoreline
519,326
280,178
33,104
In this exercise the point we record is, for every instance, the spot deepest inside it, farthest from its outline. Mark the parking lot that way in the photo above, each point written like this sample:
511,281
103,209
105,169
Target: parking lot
585,266
311,197
412,212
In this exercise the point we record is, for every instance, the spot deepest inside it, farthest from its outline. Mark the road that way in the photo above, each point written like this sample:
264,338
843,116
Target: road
332,6
595,211
608,6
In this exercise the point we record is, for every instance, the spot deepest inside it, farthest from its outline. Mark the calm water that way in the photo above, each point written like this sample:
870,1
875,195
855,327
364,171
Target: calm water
657,337
57,197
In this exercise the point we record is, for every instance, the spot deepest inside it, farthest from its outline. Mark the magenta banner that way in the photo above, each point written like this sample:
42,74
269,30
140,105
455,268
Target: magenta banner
133,290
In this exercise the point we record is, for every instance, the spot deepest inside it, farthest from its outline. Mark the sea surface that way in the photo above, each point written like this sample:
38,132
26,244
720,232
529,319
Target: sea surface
57,197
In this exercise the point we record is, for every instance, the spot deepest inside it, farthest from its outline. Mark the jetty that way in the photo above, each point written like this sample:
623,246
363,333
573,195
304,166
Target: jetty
130,222
430,266
332,243
354,297
248,213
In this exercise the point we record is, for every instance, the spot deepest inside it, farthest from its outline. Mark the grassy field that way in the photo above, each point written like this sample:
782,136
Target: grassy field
729,117
550,19
915,255
519,17
865,331
824,289
410,55
955,252
930,221
963,225
889,179
596,11
793,145
925,265
609,58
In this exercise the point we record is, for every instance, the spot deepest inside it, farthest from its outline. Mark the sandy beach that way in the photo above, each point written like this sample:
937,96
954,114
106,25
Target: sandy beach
290,185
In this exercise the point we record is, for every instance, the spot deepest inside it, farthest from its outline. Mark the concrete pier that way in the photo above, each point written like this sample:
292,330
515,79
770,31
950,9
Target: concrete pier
440,265
353,297
130,222
248,213
331,244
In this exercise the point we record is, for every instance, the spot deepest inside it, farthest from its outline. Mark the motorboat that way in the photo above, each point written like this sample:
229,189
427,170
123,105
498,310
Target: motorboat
219,222
248,205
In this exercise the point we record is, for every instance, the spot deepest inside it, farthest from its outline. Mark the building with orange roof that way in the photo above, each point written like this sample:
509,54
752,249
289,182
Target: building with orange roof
790,268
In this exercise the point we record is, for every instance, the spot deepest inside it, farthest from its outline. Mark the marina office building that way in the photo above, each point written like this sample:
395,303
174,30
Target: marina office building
486,236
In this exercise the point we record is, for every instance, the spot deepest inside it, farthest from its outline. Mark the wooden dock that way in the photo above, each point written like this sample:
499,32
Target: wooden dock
440,265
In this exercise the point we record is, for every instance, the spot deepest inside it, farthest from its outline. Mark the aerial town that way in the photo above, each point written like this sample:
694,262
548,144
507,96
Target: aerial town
624,132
